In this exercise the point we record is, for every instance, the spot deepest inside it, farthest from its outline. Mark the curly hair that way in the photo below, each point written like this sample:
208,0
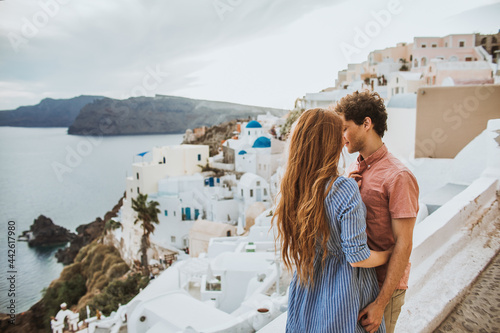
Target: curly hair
303,228
359,105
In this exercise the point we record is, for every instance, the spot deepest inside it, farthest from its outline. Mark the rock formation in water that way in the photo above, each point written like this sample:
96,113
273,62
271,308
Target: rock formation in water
43,232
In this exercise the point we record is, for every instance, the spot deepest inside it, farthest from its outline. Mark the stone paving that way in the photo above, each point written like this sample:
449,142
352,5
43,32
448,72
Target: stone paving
480,309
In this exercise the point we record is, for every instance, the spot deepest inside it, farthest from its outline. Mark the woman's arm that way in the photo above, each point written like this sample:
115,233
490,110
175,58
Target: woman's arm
375,259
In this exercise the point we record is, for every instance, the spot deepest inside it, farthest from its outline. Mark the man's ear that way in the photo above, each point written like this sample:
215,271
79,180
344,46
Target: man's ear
367,123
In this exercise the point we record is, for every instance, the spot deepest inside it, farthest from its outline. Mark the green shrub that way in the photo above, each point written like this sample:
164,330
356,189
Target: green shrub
68,292
117,270
96,267
117,292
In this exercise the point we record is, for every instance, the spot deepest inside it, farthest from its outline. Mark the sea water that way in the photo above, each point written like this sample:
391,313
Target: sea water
70,179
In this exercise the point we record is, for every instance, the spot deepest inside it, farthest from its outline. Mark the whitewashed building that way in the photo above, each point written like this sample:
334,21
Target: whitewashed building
253,188
404,83
255,151
157,178
179,207
166,161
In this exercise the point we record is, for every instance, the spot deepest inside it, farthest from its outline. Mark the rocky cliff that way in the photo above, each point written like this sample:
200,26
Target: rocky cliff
158,115
48,113
214,135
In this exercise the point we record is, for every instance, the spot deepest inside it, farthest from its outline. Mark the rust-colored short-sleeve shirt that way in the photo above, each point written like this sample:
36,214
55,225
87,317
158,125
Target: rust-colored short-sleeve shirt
389,191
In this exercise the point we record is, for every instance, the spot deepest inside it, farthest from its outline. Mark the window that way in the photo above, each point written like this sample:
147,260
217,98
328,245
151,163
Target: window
251,193
199,157
258,183
468,58
446,44
228,233
424,46
164,160
402,90
423,62
248,132
138,191
434,45
397,90
493,40
483,41
137,175
172,239
265,191
166,213
175,213
461,43
241,192
397,80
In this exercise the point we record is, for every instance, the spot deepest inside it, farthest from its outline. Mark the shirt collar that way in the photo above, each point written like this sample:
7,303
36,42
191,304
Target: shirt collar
373,158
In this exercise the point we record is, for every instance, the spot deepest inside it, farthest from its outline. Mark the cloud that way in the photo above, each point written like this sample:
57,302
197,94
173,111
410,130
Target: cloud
95,46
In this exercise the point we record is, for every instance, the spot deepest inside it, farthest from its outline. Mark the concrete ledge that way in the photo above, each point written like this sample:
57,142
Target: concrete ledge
278,325
451,248
222,166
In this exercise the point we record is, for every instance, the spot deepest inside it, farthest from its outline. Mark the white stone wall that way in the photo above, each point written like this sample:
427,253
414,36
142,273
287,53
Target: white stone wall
223,210
246,162
400,135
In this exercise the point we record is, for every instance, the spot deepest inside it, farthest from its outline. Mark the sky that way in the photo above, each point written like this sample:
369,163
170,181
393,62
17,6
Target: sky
255,52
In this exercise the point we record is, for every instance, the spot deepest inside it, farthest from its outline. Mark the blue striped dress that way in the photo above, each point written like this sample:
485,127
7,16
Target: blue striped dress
340,291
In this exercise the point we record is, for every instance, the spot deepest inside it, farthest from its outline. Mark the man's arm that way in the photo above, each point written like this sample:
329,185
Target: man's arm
371,316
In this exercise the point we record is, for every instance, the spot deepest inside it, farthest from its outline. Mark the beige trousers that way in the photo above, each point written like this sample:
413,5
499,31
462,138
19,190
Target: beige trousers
393,309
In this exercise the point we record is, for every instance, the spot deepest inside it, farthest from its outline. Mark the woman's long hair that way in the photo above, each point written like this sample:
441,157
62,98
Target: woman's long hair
314,152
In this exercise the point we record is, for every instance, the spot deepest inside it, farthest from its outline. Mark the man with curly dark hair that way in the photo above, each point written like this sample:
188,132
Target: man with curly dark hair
390,193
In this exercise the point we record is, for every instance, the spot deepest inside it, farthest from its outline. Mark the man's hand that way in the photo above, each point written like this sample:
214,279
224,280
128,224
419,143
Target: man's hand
356,176
371,316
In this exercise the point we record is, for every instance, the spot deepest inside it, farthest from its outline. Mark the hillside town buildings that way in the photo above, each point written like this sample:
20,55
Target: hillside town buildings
173,177
452,60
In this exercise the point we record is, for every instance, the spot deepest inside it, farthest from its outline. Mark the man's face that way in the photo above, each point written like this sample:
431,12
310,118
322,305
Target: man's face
353,136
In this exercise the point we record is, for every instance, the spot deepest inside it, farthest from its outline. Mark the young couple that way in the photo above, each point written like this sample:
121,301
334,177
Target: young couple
334,229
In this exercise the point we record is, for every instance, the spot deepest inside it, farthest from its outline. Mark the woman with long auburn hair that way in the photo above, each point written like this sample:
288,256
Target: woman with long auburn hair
321,228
